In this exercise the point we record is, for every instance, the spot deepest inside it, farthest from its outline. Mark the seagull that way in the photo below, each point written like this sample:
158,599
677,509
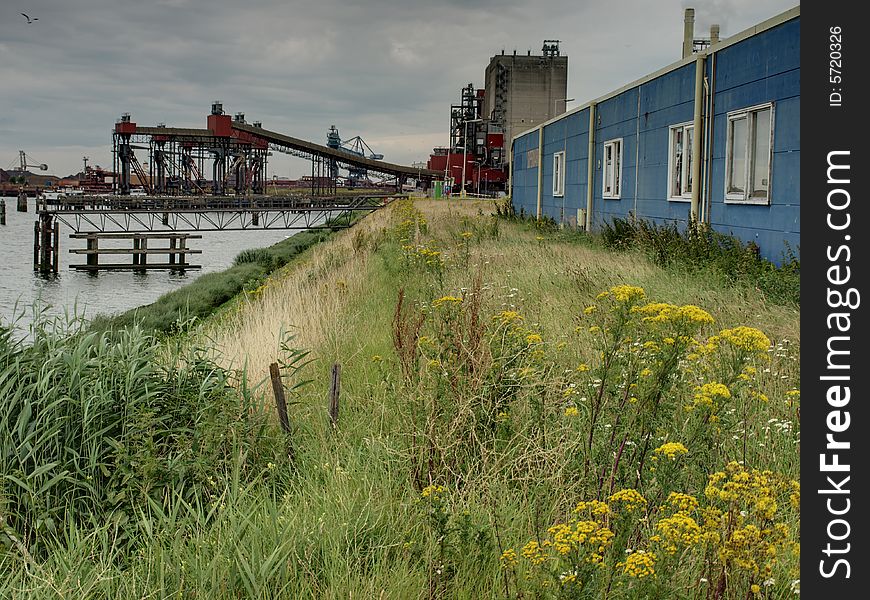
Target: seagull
29,20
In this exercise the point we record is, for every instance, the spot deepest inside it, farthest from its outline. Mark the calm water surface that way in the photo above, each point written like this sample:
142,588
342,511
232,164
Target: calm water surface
105,292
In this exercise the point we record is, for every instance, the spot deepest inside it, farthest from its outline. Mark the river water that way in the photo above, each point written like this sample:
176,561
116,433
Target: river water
104,292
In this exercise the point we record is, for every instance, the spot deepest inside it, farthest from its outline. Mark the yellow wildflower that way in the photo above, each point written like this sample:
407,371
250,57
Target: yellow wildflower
446,300
672,449
639,564
745,338
431,490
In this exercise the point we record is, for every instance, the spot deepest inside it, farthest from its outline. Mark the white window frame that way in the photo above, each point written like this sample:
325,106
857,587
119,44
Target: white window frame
685,174
615,173
559,173
745,197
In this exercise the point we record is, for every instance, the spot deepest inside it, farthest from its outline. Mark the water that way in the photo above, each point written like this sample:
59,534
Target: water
103,292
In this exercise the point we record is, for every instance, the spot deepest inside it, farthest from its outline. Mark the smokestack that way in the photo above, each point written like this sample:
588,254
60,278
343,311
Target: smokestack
714,34
688,32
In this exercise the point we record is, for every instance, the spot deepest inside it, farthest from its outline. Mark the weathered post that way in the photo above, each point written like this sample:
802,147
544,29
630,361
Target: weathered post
55,248
36,245
92,259
280,401
2,212
45,231
136,245
22,201
334,391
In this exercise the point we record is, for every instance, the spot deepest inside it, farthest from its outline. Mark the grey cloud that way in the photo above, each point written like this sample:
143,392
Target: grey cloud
382,69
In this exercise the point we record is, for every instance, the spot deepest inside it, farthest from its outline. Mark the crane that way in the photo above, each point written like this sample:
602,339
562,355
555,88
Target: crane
22,157
356,146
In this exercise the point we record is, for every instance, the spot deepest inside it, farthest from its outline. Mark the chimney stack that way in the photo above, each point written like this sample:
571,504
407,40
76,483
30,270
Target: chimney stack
688,32
714,34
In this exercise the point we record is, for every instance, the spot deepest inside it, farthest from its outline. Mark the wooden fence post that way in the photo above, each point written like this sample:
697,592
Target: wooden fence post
280,401
334,391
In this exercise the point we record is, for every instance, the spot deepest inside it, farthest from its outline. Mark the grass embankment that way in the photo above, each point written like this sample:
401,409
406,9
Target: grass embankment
523,414
207,293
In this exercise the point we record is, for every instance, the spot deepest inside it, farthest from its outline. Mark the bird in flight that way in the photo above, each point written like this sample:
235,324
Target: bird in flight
29,20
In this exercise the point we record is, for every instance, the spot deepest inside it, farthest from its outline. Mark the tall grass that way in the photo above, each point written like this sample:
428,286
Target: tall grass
100,428
207,293
494,388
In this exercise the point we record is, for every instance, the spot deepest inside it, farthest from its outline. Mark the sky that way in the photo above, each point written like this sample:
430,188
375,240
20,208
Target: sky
385,70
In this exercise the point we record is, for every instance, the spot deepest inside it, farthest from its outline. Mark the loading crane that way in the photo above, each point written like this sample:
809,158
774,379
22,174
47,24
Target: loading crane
356,146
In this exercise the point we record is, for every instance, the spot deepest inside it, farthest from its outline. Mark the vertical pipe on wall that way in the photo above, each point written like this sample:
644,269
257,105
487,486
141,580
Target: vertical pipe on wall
540,170
696,138
711,113
590,166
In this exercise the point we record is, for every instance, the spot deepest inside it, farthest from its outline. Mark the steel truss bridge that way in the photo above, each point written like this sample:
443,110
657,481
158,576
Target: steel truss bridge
108,214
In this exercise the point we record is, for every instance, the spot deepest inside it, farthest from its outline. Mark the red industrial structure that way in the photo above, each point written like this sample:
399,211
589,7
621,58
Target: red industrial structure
236,153
483,154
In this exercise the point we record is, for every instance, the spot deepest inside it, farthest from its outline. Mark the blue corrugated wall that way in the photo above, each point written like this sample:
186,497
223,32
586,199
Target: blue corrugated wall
762,68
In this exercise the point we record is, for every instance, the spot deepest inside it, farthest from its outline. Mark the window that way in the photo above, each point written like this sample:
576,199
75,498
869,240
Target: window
680,162
748,155
559,174
612,168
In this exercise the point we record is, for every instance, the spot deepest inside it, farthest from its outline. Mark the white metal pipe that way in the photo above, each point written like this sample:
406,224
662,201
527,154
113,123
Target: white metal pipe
696,137
590,166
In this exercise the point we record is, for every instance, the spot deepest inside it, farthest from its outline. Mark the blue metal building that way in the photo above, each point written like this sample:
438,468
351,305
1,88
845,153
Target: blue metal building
743,96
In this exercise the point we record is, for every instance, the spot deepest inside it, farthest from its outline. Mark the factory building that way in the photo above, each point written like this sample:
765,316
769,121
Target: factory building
714,136
520,91
524,91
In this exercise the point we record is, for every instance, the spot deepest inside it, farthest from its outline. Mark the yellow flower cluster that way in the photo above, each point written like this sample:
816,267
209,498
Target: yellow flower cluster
594,508
682,502
508,317
571,411
672,450
710,394
446,300
754,549
534,553
627,500
509,558
679,530
661,312
627,293
571,536
432,490
745,338
639,564
753,489
534,338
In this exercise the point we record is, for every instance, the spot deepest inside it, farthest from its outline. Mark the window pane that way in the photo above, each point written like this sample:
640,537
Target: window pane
688,152
737,167
617,150
608,170
761,155
677,160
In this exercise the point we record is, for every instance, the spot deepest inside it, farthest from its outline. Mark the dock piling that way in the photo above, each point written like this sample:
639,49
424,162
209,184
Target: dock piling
2,212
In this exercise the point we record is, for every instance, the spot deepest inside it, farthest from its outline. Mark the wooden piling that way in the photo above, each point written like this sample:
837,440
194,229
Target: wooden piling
280,400
55,248
36,245
22,202
334,391
2,212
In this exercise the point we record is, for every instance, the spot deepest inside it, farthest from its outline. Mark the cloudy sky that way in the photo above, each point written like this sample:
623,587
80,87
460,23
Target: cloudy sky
386,70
